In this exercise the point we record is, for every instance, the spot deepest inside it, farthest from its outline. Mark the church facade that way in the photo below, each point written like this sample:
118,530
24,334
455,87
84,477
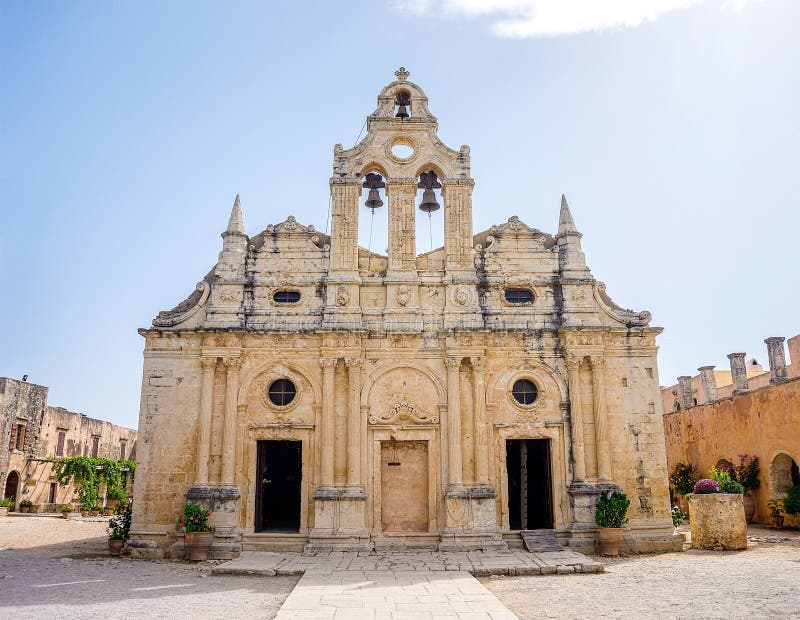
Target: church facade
318,395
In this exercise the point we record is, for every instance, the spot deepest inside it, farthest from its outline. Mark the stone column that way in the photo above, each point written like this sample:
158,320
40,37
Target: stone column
354,423
480,443
457,197
208,365
777,359
400,194
344,224
738,373
576,418
232,365
454,473
709,383
328,398
600,418
685,391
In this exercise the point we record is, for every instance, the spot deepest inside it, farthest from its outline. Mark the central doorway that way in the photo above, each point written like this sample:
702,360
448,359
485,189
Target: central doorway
404,486
279,472
530,496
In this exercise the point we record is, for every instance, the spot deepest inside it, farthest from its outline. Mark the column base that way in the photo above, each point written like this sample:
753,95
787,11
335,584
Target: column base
471,520
223,502
339,521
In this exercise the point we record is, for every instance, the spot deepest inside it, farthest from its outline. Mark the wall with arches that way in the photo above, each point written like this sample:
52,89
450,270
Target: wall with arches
763,422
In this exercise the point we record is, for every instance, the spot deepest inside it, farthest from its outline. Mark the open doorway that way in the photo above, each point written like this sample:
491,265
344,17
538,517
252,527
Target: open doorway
279,474
530,497
12,486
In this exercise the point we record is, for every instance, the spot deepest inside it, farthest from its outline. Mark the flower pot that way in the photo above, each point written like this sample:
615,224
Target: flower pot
749,508
65,515
777,521
115,546
84,513
198,545
108,512
609,540
95,513
24,509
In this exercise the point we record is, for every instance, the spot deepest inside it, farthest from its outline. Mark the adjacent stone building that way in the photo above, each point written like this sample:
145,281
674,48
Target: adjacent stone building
316,394
717,415
32,433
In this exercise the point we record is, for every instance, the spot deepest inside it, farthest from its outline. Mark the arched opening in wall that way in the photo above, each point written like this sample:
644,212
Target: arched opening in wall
12,486
724,465
430,223
402,105
783,472
373,219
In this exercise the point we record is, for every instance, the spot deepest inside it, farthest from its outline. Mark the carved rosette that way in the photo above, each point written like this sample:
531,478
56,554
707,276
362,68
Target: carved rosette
404,410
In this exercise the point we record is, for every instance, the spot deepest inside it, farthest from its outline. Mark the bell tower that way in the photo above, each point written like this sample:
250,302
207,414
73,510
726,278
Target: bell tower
402,118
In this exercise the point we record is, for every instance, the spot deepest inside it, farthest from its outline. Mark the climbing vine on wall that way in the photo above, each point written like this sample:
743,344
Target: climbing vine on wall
90,473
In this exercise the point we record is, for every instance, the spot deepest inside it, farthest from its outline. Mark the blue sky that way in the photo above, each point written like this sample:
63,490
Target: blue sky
128,128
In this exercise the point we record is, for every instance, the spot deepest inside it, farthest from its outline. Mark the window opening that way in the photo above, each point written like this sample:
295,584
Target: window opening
282,392
524,391
95,445
122,445
519,296
60,445
286,297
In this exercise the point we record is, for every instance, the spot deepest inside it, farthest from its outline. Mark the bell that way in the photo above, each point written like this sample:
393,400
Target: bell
429,204
373,200
402,112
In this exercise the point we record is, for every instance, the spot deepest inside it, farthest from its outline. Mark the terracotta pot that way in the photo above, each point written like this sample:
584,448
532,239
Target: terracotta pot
95,513
108,512
777,521
24,509
115,546
749,508
609,540
198,545
65,515
84,513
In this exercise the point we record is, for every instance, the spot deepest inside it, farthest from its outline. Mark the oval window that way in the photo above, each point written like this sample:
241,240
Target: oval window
282,392
519,296
524,391
402,151
286,297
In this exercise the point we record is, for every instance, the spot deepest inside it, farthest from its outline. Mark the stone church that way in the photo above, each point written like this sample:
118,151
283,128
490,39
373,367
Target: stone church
318,395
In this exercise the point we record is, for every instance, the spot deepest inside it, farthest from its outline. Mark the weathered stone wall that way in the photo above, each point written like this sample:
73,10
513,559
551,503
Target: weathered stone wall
765,422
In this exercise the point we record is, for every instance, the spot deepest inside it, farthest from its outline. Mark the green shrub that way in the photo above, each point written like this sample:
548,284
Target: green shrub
726,484
611,509
26,503
119,527
66,508
791,503
6,502
677,516
683,478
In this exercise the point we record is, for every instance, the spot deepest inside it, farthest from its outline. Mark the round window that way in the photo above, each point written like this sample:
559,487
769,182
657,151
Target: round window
402,151
282,392
524,391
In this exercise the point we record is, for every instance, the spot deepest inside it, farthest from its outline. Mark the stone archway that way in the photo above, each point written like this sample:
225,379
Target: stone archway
783,471
12,486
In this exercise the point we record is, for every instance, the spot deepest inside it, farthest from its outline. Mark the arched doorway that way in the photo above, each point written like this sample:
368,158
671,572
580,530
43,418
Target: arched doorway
12,486
783,472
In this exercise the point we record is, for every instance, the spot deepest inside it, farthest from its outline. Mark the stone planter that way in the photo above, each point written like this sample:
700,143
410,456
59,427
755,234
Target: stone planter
198,545
609,540
3,511
749,508
717,521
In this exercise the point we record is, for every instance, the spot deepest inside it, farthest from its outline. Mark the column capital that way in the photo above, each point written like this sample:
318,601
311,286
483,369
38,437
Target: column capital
328,362
452,363
353,362
233,363
573,362
598,361
478,363
208,363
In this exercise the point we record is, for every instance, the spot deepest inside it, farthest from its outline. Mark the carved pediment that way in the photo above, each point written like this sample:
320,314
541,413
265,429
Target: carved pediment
404,411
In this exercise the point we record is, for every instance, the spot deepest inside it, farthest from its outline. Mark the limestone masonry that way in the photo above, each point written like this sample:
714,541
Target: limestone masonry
317,395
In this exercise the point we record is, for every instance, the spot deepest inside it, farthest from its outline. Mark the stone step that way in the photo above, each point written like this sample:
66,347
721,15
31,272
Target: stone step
537,541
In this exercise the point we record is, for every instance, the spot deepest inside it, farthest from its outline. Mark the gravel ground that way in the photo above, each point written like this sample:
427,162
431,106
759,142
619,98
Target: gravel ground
762,582
56,568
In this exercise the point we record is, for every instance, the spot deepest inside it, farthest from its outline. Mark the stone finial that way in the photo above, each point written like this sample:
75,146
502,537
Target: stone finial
709,382
236,221
565,222
402,74
738,372
777,359
685,394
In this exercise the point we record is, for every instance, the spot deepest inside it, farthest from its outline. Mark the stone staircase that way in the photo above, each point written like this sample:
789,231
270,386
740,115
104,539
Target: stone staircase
537,541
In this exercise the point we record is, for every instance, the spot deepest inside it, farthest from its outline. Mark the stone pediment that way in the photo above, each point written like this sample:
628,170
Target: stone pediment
514,227
289,226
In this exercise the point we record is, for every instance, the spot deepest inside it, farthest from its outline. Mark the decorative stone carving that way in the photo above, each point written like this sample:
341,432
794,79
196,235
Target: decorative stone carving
462,296
342,296
404,410
403,295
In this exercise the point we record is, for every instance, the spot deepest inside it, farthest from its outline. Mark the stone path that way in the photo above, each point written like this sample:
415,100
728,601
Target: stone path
392,595
477,563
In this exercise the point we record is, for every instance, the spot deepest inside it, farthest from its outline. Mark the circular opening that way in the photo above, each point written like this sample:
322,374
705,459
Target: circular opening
524,391
282,392
402,151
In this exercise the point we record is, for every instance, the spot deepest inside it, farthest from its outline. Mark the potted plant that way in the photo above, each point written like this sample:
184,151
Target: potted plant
610,517
682,479
114,496
118,530
791,503
6,504
65,509
746,474
775,512
96,510
717,514
199,534
25,505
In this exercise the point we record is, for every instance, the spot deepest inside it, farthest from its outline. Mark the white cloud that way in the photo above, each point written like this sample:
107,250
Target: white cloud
534,18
